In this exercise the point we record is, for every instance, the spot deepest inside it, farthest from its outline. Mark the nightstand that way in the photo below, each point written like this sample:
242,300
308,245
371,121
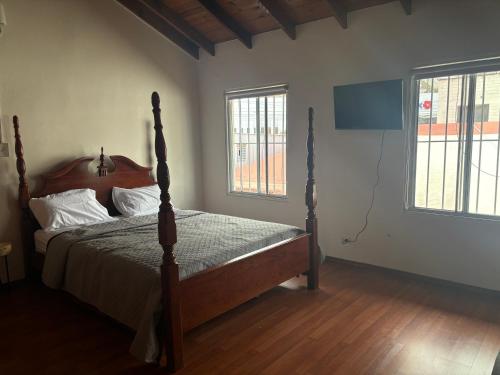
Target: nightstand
5,250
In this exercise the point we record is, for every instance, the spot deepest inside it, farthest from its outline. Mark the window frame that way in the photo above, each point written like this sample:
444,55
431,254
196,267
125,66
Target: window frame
251,92
461,68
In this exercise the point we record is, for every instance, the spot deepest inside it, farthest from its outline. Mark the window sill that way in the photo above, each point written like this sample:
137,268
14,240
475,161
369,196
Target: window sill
276,198
460,215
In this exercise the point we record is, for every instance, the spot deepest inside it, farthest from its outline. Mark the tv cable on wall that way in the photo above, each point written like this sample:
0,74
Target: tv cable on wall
373,191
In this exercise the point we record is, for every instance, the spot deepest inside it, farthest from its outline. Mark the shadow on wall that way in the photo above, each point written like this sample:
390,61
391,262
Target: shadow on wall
10,213
136,40
170,61
149,144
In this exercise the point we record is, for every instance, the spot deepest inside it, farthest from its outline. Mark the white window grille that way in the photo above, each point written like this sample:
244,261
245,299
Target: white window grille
257,129
455,139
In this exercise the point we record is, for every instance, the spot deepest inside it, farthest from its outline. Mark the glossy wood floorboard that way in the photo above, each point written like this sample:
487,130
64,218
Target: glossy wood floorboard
362,321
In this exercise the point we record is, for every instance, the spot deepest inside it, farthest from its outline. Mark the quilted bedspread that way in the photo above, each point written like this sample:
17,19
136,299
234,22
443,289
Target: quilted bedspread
115,266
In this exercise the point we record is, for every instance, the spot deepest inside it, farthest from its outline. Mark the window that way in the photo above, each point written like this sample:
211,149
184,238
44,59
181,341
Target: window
481,113
241,150
455,139
257,124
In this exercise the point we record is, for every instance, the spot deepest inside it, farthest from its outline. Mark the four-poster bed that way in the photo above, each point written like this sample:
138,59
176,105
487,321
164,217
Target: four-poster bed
187,300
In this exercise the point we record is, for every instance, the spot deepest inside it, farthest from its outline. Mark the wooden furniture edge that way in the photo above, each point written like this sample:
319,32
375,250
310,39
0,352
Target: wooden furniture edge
27,226
67,168
209,294
311,203
255,252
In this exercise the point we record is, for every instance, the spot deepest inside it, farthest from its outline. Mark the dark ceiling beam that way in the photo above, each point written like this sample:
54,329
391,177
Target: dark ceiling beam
277,12
223,17
406,6
181,25
339,12
158,23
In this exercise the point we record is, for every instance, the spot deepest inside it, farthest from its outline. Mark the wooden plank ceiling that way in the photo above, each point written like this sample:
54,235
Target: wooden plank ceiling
195,24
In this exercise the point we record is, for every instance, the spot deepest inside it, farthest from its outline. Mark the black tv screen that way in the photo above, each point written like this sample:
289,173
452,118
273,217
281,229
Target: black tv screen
373,105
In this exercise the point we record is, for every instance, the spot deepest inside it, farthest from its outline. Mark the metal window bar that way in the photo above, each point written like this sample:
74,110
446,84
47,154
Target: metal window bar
456,141
248,160
262,146
285,172
266,144
468,143
230,142
257,146
429,144
283,144
496,172
239,153
480,143
445,142
274,144
460,141
412,196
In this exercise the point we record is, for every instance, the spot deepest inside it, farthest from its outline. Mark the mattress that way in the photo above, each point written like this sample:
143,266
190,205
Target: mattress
115,266
43,237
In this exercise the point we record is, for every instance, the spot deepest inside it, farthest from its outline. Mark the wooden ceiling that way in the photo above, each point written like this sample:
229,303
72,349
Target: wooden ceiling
195,24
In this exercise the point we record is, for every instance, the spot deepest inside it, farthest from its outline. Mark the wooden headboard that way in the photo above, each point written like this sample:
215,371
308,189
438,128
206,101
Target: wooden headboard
82,173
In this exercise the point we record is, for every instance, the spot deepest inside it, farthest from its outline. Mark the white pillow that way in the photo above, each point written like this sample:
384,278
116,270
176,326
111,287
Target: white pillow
137,201
71,208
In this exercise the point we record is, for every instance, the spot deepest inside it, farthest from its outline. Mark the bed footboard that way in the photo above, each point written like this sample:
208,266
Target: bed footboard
202,297
217,290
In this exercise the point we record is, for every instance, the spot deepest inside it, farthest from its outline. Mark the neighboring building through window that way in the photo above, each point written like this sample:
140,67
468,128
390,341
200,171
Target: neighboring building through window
257,128
455,152
481,113
241,152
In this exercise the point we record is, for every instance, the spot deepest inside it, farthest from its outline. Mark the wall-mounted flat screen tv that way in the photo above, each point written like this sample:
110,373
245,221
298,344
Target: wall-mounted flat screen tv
373,105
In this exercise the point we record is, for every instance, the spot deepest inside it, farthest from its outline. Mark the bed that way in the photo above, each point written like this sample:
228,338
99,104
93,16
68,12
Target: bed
163,274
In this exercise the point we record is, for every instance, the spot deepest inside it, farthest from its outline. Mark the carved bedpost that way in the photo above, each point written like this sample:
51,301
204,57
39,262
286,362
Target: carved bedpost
24,193
167,234
311,200
102,169
23,198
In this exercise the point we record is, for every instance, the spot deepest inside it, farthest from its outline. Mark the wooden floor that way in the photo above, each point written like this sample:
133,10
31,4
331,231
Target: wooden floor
361,321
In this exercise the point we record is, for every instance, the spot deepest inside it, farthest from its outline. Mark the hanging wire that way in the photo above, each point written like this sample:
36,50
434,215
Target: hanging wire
374,188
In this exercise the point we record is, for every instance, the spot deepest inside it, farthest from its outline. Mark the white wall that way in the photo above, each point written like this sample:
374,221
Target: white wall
380,43
79,73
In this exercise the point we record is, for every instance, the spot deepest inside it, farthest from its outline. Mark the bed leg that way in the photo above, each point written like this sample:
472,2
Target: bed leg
313,274
173,340
311,201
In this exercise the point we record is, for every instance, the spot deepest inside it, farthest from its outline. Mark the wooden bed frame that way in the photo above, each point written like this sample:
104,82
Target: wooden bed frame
207,294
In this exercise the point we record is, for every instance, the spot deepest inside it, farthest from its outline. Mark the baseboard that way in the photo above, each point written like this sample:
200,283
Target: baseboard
415,276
